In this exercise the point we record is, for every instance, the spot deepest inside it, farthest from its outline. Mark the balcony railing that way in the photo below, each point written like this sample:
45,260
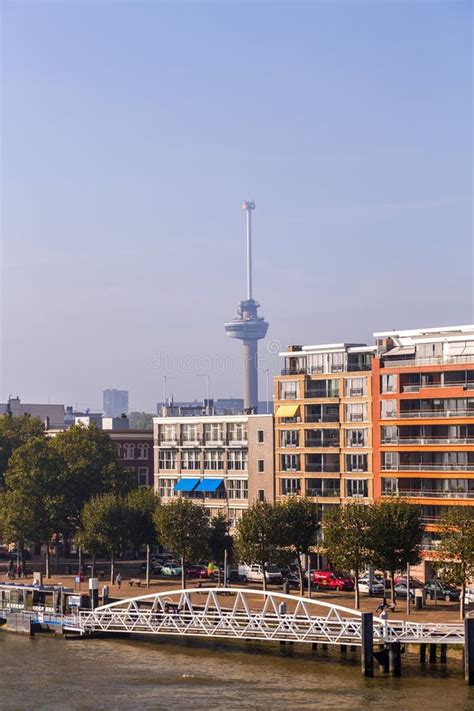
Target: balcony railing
294,371
356,392
431,494
427,440
415,387
416,414
322,443
322,418
323,492
428,467
356,417
191,442
410,362
322,468
169,442
319,394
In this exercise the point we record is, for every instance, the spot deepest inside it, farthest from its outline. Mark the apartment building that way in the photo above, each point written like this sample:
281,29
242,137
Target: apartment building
423,419
135,452
226,462
323,423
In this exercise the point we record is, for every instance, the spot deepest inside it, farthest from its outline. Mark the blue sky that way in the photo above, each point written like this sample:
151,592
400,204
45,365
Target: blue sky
132,132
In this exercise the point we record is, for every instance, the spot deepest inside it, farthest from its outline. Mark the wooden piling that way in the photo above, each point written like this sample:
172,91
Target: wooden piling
443,653
422,653
394,659
367,650
432,653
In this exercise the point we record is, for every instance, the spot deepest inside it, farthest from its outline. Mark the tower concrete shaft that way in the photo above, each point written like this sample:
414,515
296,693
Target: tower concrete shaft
249,327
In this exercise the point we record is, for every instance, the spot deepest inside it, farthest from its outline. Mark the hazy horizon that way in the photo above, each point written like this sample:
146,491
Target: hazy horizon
132,133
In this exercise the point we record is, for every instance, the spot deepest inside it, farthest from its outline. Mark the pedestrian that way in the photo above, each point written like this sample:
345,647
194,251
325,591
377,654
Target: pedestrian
384,618
23,569
282,608
18,570
11,570
118,580
382,606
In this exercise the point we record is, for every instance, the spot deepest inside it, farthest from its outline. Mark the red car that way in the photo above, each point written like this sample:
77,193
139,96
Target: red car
331,580
196,571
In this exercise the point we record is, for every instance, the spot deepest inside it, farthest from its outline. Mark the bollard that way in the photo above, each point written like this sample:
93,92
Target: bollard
443,653
367,650
469,650
432,653
422,653
394,659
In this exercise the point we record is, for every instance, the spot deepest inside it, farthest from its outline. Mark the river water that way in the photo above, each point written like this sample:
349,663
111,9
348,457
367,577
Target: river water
58,674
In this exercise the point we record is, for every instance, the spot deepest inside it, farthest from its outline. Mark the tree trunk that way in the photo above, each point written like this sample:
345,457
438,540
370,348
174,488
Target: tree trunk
56,556
46,561
183,573
264,576
93,566
462,599
80,560
301,575
112,567
356,590
148,566
392,586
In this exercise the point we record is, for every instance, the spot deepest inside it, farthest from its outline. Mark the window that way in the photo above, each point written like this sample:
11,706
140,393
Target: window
213,433
322,388
388,408
290,486
237,432
356,412
357,488
167,459
288,389
355,387
356,462
261,495
129,451
260,436
190,460
169,433
337,362
389,383
290,462
143,450
389,487
142,476
356,438
322,438
213,460
119,451
237,489
237,460
261,466
389,434
166,487
190,432
317,363
289,438
390,460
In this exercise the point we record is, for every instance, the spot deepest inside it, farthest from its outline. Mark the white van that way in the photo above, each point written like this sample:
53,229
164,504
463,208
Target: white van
254,573
469,595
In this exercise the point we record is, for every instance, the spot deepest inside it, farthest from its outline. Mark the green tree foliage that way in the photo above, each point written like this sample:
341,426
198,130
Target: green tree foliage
32,502
220,539
142,504
104,526
297,529
456,550
141,421
91,469
257,535
347,539
14,432
183,526
396,535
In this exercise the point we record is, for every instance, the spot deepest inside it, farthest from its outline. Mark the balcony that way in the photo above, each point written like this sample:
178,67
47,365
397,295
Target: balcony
191,442
357,392
413,362
428,467
322,443
324,417
169,443
214,442
323,493
238,443
294,371
427,440
427,414
322,468
431,494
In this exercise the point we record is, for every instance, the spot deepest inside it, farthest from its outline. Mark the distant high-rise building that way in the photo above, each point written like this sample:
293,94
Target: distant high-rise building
115,403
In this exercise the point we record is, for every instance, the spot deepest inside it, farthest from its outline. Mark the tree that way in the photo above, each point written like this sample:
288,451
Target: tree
91,468
456,550
220,540
141,421
14,432
396,532
141,531
104,526
32,503
183,526
297,529
347,537
257,535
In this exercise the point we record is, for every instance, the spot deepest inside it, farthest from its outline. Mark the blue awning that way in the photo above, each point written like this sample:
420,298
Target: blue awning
209,484
186,484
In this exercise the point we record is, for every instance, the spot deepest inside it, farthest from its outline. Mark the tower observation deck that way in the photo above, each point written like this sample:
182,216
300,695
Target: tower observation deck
249,327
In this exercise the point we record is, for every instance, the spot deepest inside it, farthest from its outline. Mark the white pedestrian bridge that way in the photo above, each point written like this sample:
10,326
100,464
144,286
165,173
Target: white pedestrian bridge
248,614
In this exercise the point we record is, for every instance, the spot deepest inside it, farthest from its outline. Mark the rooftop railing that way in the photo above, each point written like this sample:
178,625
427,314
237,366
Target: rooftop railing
440,360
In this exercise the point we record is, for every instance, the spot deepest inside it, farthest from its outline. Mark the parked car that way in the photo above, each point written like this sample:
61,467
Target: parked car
401,590
377,587
414,582
435,590
331,580
172,570
195,571
235,577
155,569
254,573
469,596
